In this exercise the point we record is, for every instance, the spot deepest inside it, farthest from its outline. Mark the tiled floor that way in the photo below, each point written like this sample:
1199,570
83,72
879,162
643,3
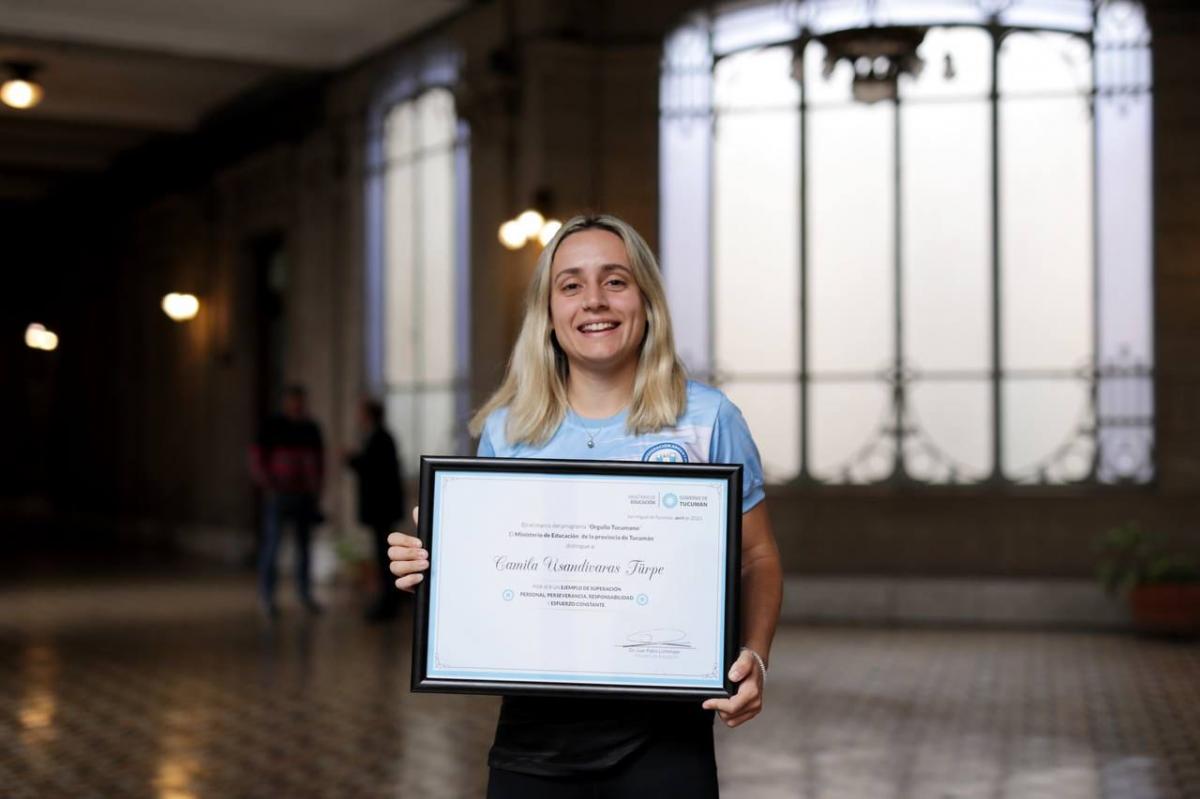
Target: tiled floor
175,689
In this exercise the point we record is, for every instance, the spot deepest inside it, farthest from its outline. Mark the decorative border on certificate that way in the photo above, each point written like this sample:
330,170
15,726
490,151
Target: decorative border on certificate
578,577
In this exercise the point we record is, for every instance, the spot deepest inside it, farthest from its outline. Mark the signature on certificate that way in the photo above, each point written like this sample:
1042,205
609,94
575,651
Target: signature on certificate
676,639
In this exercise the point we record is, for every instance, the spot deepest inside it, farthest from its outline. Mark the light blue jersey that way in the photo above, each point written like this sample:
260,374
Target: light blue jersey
711,430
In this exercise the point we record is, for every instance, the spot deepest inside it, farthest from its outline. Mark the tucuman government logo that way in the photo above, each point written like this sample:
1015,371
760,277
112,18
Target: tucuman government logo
666,452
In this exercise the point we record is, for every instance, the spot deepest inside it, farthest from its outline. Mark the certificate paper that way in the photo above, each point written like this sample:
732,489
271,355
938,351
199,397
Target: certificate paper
569,576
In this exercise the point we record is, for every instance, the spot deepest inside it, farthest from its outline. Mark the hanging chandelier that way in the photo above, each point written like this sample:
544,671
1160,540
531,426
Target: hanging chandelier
878,56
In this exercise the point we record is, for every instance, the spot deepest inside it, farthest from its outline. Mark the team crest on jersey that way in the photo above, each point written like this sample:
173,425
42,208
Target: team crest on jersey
666,452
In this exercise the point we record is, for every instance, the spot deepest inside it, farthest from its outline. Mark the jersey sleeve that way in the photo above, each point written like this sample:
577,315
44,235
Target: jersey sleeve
732,443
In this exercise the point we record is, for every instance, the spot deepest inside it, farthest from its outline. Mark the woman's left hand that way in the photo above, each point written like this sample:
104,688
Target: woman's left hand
747,702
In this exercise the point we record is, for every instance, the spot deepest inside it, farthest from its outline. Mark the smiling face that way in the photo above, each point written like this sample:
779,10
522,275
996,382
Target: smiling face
596,308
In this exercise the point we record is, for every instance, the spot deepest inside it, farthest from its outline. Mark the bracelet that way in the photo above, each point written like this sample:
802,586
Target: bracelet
762,667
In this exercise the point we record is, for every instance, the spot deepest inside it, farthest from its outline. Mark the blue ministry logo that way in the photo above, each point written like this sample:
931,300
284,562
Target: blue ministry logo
669,500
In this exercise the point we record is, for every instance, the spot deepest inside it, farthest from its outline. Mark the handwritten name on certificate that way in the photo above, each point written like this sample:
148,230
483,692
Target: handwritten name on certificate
579,578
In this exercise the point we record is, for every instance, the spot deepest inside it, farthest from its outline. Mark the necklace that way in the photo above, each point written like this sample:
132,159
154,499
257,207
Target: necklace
587,431
590,435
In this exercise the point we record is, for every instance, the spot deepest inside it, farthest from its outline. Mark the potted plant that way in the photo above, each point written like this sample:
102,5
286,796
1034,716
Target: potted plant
1163,588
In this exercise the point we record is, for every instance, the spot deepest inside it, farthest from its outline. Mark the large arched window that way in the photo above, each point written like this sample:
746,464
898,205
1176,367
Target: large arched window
417,258
911,238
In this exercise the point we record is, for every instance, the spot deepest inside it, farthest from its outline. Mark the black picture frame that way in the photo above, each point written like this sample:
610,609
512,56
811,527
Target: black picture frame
422,682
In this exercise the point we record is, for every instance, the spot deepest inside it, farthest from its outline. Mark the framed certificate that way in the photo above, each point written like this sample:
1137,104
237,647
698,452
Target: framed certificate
578,577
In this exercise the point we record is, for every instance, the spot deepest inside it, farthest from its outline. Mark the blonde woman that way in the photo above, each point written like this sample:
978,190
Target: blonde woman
594,374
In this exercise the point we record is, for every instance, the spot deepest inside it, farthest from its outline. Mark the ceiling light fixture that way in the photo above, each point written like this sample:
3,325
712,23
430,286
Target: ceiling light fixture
19,89
37,337
180,307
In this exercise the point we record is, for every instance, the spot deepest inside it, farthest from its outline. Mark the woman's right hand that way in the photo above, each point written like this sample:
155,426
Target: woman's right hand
408,558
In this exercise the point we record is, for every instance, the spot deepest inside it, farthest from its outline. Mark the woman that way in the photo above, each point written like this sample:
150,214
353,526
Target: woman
594,374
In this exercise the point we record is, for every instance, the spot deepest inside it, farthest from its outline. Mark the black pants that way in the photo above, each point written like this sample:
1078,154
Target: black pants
667,767
281,509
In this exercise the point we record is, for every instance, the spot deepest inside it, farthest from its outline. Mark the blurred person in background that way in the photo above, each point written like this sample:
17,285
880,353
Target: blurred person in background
380,498
287,463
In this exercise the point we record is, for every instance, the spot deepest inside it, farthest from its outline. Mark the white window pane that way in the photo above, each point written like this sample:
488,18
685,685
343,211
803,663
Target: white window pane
437,119
852,242
686,150
685,154
947,241
772,411
1125,232
1127,453
461,235
1044,63
686,87
756,216
1075,266
1123,108
424,423
400,409
847,423
969,73
400,132
437,333
953,420
1125,404
755,81
420,265
1126,415
422,296
1045,424
399,238
439,425
1046,239
1123,23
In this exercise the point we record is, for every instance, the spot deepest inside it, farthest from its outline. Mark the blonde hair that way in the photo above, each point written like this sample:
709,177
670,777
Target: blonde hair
534,388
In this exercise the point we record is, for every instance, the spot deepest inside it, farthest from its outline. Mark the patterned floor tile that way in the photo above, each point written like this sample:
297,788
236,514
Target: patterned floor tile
176,689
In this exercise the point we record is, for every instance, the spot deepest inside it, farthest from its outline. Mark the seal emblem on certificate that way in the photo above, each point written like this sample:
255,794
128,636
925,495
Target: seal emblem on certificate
578,577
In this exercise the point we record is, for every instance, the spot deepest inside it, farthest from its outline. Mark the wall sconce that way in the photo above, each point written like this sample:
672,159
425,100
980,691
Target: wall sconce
512,235
181,307
19,89
37,337
530,225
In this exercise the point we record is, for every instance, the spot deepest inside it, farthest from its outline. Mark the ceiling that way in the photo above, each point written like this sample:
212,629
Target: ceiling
119,72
